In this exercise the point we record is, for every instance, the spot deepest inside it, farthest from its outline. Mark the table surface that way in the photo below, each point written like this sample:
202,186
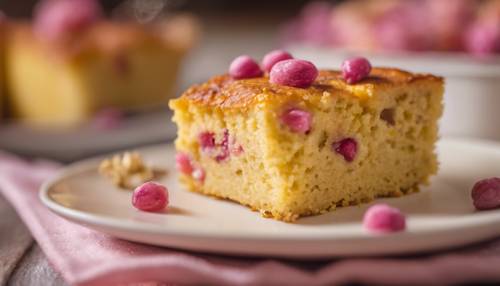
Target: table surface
21,260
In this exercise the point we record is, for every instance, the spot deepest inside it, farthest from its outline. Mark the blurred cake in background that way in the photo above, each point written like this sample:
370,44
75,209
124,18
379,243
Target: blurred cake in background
2,62
391,25
71,62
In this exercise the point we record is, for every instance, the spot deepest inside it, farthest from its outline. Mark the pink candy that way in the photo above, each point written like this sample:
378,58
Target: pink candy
486,194
273,57
299,121
483,39
183,163
56,19
316,23
109,118
219,150
382,218
293,72
224,147
348,148
355,69
244,67
150,197
207,141
404,26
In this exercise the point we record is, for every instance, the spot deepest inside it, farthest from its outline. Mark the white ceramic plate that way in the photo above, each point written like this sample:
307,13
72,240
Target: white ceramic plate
79,142
440,216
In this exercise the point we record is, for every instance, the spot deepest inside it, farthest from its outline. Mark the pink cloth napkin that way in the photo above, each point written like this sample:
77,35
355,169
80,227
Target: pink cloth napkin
87,257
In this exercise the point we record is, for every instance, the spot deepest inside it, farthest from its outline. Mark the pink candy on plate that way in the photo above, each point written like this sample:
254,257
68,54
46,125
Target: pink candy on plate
273,57
294,73
299,121
382,218
244,67
56,19
355,69
150,197
486,194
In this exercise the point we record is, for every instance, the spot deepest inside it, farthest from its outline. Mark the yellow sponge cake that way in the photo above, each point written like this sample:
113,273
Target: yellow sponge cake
71,62
361,141
111,65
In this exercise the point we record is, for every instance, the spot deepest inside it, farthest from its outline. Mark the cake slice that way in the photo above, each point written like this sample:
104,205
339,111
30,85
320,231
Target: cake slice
71,62
289,152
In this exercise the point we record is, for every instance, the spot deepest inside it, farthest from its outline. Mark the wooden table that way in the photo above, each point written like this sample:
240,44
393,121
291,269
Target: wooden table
22,262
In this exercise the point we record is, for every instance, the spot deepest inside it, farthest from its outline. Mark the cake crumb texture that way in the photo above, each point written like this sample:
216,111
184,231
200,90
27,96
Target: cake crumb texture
392,116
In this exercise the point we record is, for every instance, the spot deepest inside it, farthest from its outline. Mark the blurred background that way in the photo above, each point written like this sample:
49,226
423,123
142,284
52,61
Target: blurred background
458,39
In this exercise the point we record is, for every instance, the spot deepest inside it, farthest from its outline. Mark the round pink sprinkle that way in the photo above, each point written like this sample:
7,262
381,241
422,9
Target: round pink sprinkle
150,197
299,121
271,58
486,194
199,174
293,72
57,18
183,163
348,148
355,69
382,218
244,67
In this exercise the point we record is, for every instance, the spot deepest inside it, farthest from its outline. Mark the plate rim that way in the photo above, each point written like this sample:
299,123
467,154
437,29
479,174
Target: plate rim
86,218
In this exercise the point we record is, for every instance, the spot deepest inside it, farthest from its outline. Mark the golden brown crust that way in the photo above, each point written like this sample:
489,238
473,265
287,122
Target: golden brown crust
112,37
224,92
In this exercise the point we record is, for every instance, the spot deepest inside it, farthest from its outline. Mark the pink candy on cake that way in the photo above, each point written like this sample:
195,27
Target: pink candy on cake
109,118
244,67
348,148
273,57
483,39
425,25
150,197
294,73
218,150
282,67
299,121
224,147
183,163
58,19
355,69
486,194
207,141
383,218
